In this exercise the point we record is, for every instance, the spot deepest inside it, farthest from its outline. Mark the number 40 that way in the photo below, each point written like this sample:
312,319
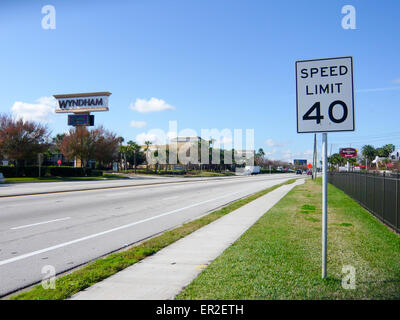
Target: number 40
318,117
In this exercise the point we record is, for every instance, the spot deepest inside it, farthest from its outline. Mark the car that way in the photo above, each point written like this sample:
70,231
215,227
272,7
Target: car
298,172
309,172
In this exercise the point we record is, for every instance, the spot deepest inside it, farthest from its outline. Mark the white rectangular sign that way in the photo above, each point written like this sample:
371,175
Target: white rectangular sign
82,102
325,95
94,102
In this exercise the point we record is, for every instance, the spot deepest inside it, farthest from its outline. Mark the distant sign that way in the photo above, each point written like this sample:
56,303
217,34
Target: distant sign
80,120
309,166
300,162
348,153
325,95
82,102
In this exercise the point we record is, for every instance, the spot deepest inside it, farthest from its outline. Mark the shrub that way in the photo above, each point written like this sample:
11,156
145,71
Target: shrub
8,171
96,173
64,171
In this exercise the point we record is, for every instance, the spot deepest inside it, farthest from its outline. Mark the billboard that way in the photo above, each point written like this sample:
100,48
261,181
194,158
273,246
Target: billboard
80,120
348,152
300,162
82,102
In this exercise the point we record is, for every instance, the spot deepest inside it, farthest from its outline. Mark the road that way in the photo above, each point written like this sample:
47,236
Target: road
68,229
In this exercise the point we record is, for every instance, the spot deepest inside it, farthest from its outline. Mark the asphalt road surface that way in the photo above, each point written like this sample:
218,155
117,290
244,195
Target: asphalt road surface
67,229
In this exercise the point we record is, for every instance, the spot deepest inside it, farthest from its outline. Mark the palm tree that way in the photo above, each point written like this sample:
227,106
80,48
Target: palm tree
261,153
135,148
368,153
147,143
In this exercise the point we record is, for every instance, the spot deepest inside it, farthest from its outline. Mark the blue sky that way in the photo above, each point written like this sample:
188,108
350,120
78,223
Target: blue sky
219,64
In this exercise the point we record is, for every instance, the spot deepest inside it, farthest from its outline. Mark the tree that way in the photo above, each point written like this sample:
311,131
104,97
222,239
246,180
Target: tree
134,153
336,160
106,145
98,144
368,152
385,151
261,152
259,157
54,148
20,140
78,144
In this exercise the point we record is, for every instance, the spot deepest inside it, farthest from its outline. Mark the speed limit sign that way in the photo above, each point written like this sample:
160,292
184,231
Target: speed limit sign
325,95
325,103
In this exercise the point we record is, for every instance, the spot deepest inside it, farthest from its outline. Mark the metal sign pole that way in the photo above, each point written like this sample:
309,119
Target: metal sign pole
324,201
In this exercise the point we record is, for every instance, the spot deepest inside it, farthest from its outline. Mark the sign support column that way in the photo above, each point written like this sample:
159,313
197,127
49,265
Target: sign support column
324,201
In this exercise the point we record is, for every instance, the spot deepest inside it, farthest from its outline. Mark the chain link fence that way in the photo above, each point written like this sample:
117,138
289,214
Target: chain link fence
377,192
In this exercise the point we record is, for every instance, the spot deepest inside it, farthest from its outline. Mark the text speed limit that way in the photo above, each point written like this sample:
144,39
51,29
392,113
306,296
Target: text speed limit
325,99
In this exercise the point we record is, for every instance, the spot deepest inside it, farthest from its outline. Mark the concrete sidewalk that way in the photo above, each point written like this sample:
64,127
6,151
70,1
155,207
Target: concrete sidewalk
163,275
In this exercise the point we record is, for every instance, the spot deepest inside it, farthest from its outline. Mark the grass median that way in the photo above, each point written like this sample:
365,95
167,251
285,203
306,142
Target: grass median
280,256
100,269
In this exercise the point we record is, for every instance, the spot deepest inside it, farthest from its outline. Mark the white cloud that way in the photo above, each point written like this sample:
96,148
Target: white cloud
155,136
396,80
138,124
152,105
272,143
270,153
40,111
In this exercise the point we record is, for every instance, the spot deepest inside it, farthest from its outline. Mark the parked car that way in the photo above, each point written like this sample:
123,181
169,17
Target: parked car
309,173
298,172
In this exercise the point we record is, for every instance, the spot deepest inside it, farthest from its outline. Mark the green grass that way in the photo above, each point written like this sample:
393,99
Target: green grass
54,179
102,268
280,256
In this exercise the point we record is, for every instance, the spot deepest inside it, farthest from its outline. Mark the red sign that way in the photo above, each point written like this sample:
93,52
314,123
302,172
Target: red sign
309,166
348,153
59,162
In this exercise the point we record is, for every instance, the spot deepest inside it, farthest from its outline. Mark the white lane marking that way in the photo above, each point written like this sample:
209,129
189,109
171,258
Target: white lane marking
170,198
34,253
39,223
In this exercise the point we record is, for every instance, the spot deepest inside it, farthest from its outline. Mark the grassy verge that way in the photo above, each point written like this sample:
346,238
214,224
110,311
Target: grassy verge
280,256
54,179
102,268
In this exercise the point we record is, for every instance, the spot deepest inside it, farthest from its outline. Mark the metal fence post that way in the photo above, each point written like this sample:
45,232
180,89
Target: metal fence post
366,188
